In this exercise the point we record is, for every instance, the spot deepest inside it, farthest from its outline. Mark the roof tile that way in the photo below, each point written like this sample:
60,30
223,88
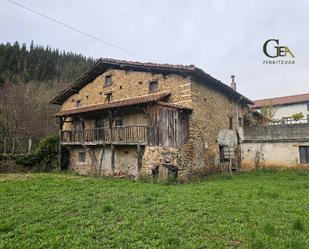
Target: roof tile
116,104
293,99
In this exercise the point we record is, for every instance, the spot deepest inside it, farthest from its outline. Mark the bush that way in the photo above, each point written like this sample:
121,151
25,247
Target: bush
4,157
297,116
45,157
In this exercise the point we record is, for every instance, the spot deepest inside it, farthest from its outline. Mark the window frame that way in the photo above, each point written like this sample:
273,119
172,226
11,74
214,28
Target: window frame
109,82
230,122
287,120
82,159
303,151
119,120
153,83
78,125
78,103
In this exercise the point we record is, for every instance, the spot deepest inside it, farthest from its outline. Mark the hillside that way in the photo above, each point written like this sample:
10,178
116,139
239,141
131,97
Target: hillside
38,63
29,77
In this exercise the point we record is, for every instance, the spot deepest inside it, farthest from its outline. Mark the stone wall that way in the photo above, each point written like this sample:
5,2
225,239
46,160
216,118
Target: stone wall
277,132
273,145
128,84
125,161
211,112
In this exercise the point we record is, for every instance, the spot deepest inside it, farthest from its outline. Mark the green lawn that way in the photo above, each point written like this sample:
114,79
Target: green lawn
252,210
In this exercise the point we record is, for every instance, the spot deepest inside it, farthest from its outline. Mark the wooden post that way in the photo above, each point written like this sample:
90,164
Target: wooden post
101,161
110,124
113,159
60,152
139,162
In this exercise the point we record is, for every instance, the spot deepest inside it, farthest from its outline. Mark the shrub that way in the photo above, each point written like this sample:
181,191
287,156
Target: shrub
44,158
4,157
297,116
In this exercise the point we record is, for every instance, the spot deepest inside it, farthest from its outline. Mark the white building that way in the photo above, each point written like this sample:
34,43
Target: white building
285,107
282,143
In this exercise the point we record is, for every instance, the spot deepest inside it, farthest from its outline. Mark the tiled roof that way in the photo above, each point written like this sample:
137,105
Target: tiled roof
188,70
176,106
150,98
293,99
150,64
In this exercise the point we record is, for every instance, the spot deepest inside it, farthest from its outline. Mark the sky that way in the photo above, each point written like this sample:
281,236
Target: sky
222,37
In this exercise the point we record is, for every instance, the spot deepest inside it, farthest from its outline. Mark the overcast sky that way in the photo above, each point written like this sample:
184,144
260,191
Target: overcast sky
222,37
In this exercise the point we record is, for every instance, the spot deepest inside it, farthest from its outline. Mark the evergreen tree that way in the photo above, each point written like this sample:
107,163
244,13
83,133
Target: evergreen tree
38,63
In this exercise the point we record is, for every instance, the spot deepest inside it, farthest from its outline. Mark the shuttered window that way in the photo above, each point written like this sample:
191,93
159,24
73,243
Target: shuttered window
82,157
304,154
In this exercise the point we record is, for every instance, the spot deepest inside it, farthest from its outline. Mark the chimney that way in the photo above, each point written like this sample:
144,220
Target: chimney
233,84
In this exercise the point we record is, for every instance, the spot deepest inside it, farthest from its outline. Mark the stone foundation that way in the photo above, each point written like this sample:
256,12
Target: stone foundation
125,161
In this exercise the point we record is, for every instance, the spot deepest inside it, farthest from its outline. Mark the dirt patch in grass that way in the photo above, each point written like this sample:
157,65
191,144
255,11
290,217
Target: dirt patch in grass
15,177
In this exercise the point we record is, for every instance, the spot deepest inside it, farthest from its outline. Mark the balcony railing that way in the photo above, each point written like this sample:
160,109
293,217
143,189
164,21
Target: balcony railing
121,135
290,121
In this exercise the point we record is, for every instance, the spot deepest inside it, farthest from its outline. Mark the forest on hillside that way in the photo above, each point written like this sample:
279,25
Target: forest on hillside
29,78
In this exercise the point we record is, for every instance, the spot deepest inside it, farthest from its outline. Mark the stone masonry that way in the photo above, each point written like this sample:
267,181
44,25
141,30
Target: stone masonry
212,111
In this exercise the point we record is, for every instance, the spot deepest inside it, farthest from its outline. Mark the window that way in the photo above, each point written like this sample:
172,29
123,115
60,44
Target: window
119,123
287,120
304,154
221,153
99,123
109,97
153,86
108,80
78,125
230,123
78,103
82,157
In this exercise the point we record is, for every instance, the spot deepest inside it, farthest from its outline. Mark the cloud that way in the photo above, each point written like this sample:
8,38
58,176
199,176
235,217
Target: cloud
222,37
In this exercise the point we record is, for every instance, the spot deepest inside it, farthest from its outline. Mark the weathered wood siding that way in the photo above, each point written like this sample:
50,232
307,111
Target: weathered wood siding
167,126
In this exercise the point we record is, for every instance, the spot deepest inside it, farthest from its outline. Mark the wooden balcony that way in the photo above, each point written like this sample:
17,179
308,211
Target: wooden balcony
116,135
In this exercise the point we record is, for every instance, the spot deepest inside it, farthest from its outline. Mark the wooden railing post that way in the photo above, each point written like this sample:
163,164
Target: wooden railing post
113,159
124,134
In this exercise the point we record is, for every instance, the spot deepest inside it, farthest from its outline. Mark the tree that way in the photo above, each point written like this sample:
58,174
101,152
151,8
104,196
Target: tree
298,116
268,112
29,78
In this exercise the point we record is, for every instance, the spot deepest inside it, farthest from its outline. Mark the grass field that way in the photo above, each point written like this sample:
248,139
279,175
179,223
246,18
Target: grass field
265,209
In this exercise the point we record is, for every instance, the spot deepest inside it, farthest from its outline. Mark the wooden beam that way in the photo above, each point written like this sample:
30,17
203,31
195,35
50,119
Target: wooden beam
73,90
60,149
113,159
139,161
101,161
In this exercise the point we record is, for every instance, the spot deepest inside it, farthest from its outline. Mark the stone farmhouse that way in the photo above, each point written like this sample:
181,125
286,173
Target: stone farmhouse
132,119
